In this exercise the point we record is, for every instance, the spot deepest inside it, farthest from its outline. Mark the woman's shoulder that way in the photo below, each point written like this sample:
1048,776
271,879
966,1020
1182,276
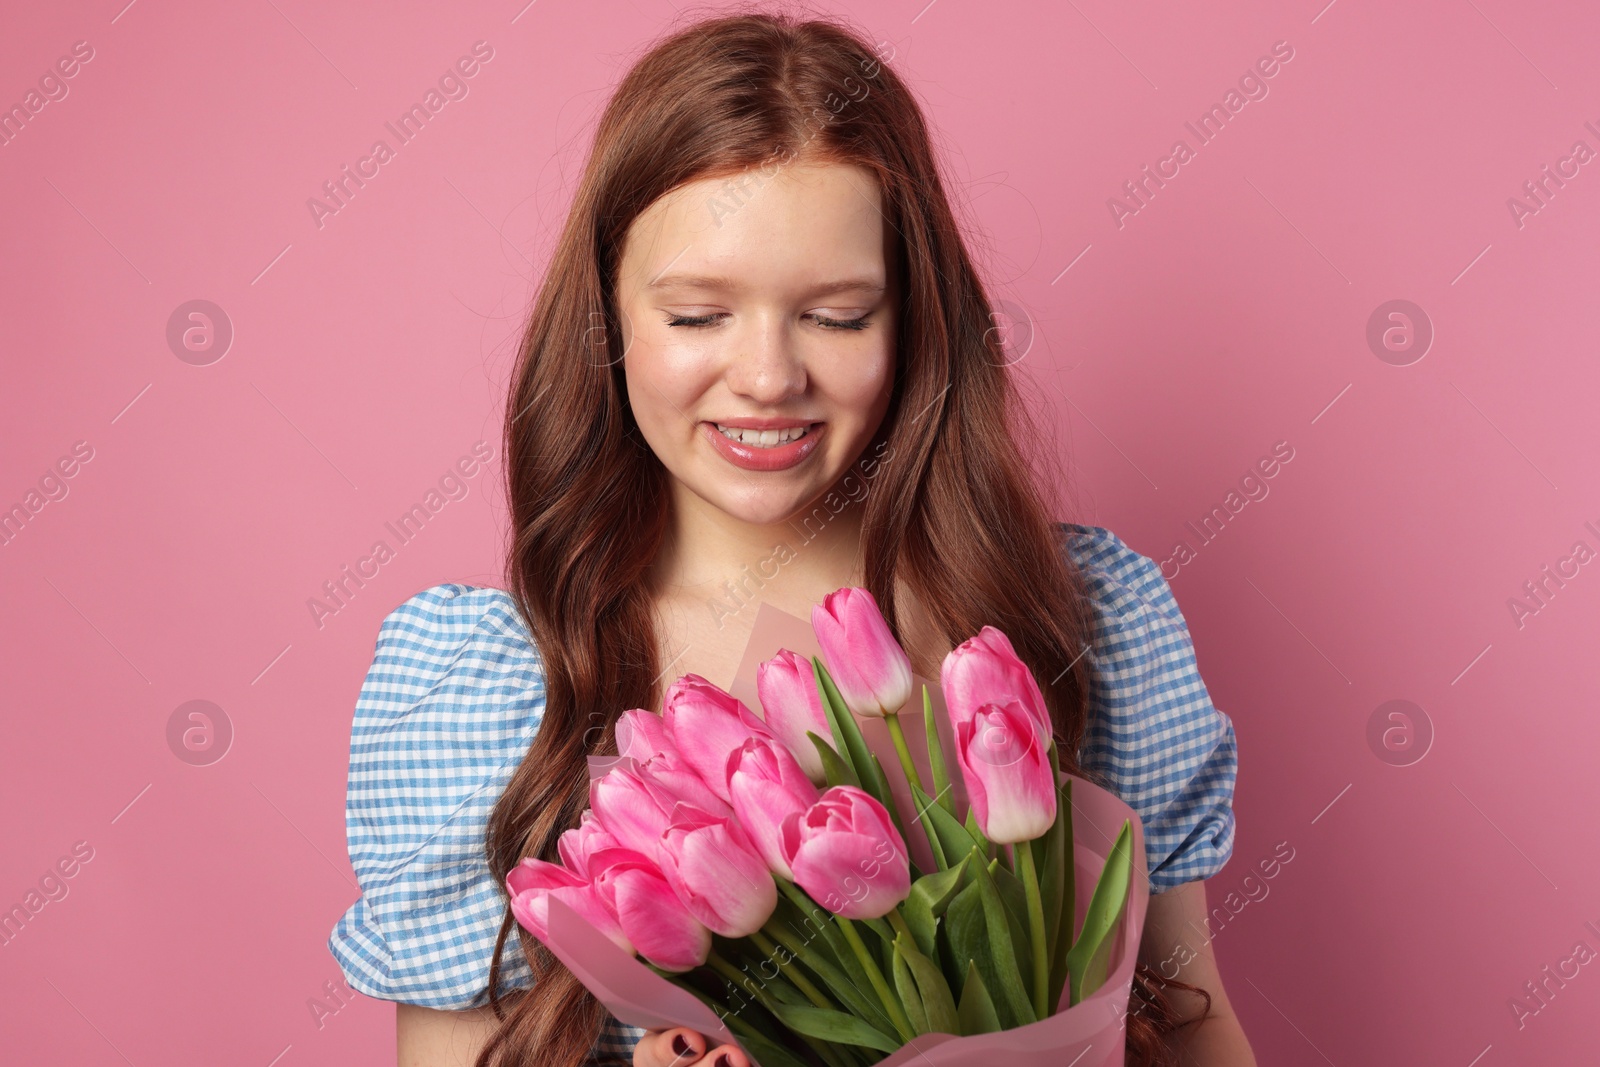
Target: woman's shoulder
1117,575
456,681
430,624
1153,733
446,712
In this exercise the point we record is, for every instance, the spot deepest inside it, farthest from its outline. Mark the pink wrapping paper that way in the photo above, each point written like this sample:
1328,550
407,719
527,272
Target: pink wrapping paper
1089,1034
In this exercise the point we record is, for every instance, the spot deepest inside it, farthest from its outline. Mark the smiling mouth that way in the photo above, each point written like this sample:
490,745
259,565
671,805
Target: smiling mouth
764,438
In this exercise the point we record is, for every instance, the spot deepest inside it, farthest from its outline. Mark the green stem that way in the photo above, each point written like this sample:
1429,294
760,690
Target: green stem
812,911
856,1001
899,924
1041,958
891,1003
739,979
910,769
743,981
791,972
898,733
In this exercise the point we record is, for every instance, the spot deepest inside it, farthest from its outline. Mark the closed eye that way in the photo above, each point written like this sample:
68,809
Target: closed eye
690,320
822,320
844,324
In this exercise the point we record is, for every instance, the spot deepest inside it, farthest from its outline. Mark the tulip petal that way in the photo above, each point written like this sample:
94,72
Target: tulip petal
706,723
791,706
1010,783
870,669
656,921
847,854
642,734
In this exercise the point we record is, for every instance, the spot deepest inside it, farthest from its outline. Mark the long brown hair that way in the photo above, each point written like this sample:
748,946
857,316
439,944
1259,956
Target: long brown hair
588,498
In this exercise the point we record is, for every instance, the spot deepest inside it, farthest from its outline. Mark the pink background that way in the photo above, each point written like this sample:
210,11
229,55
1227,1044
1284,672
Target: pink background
1228,314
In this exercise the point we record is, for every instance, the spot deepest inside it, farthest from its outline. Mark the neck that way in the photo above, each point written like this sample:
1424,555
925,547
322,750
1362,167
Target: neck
709,554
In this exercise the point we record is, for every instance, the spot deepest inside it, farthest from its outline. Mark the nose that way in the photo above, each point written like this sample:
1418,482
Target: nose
765,366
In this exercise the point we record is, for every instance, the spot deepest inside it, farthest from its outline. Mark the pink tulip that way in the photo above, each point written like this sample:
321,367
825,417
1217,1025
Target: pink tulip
768,784
648,910
867,664
576,844
847,854
985,668
672,772
641,734
633,806
718,874
1007,772
533,882
706,724
791,705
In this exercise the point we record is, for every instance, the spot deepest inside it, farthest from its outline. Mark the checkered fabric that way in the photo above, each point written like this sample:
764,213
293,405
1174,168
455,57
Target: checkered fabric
455,694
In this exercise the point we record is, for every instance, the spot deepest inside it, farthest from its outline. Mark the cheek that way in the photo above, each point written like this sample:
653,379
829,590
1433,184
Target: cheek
858,380
663,380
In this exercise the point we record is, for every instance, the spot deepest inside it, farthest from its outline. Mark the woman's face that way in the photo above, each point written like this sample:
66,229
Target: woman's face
760,300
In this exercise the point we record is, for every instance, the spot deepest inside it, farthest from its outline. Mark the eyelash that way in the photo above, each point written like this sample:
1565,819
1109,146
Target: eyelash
827,323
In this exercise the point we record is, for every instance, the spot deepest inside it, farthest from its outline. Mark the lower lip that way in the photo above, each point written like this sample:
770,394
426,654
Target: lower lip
763,459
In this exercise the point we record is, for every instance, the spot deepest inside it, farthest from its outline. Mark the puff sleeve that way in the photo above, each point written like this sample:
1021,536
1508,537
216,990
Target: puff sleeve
448,709
1153,733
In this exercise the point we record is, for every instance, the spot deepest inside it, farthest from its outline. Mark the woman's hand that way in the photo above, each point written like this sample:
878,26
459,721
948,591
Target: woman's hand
681,1047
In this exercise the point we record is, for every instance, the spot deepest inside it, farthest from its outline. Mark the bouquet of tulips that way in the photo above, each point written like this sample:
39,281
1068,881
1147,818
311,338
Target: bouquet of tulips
761,864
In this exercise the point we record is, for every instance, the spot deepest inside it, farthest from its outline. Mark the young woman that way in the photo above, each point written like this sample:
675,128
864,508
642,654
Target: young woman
761,367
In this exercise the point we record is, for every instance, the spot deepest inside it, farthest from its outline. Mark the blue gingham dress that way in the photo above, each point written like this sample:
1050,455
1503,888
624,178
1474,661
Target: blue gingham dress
455,694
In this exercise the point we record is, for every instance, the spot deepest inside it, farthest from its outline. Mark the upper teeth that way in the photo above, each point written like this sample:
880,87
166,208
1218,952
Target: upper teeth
763,438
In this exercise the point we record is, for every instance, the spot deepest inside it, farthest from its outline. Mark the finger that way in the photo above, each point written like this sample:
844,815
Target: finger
678,1047
724,1056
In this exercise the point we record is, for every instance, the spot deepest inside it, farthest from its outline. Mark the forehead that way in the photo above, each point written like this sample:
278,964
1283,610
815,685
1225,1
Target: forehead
782,227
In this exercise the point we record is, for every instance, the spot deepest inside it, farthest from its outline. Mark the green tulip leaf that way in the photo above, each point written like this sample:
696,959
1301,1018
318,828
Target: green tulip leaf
1010,887
848,732
1051,871
906,987
836,1026
972,939
975,832
831,959
941,775
1086,960
929,896
953,837
938,1003
837,771
963,927
878,926
1015,899
1063,914
976,1013
920,918
1014,1007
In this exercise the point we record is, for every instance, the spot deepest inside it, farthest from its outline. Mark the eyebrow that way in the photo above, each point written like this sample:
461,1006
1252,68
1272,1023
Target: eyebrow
719,283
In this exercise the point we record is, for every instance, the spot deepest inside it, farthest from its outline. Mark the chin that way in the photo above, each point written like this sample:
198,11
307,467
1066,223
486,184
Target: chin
766,508
764,514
